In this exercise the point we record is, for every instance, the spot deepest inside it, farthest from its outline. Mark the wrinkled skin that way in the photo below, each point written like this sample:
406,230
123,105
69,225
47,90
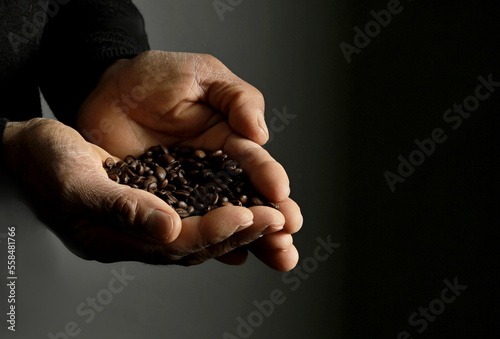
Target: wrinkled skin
157,97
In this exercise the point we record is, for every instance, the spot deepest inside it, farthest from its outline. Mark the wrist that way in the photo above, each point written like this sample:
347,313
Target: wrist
11,145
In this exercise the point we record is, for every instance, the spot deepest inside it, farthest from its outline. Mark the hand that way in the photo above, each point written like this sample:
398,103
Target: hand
101,220
193,99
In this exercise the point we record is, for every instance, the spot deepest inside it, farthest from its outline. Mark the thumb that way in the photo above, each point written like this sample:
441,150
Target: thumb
135,211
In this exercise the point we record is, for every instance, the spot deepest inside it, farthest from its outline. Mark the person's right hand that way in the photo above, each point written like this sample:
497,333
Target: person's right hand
101,220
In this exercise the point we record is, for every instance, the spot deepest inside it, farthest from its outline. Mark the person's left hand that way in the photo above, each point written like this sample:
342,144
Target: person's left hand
193,99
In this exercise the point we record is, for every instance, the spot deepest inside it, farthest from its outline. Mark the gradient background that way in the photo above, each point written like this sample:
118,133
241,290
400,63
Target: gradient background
351,123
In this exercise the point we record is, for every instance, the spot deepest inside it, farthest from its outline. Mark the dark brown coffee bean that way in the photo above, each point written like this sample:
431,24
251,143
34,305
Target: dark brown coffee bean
236,202
182,204
140,169
160,173
109,163
114,171
182,212
256,202
181,180
171,198
114,177
217,153
183,193
167,158
124,178
273,205
154,149
214,198
163,184
129,159
137,180
199,154
146,183
191,180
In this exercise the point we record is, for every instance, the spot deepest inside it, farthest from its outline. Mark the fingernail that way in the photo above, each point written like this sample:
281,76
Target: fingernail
159,224
272,229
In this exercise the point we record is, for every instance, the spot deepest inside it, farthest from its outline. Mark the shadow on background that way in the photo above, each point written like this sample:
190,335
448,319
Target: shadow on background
388,262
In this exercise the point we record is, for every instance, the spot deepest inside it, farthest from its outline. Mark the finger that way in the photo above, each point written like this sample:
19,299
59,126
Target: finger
128,209
273,241
242,102
293,216
107,244
214,227
265,221
280,260
266,174
95,241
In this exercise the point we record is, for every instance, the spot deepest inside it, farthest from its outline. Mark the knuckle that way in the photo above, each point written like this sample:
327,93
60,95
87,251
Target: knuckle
124,207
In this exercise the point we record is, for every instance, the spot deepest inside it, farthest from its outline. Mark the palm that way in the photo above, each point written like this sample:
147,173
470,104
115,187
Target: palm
163,102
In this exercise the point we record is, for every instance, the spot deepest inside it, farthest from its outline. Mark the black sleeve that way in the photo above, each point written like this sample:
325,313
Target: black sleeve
3,123
82,39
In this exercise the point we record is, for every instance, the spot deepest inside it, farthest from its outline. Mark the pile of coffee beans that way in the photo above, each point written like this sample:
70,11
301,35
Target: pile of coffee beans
193,181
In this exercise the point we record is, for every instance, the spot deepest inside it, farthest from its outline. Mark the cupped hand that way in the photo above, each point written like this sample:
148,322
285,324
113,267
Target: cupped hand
101,220
193,99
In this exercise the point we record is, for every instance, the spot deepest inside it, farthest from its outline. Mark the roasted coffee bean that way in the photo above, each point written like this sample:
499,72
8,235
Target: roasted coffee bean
160,173
124,178
236,202
182,193
167,158
194,181
114,177
256,202
214,198
163,184
146,183
164,149
109,163
137,180
140,169
181,180
273,205
182,204
129,159
199,154
182,212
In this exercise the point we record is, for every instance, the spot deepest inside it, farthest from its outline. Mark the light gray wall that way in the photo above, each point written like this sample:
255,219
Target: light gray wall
285,49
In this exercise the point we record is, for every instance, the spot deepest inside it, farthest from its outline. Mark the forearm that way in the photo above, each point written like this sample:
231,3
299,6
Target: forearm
80,43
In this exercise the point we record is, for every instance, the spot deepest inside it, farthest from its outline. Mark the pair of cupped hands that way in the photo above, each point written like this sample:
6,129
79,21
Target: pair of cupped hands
156,98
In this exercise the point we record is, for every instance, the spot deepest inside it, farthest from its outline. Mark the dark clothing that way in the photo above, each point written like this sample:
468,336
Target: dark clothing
61,47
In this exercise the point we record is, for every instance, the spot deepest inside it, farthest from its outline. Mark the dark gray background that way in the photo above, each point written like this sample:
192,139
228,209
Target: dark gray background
351,123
